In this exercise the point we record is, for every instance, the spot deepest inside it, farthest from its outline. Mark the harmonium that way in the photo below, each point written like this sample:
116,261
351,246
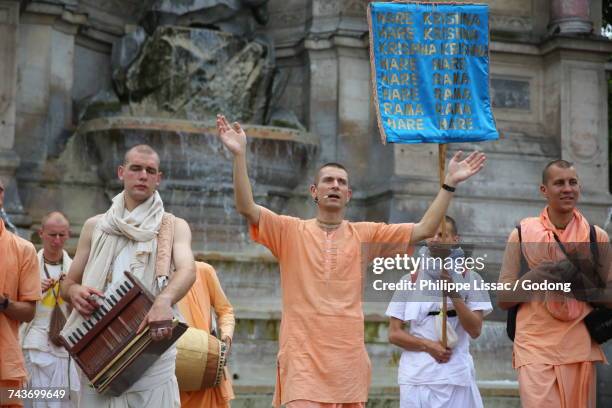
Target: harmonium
106,346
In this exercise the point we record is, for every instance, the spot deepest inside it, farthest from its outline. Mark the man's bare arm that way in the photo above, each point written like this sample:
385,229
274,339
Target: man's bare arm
19,311
399,337
234,138
427,227
184,276
458,171
471,320
71,289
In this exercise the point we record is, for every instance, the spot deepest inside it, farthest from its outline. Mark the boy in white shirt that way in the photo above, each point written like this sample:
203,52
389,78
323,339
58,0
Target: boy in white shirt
429,375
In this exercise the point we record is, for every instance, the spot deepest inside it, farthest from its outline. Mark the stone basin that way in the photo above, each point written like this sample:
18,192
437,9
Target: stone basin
197,169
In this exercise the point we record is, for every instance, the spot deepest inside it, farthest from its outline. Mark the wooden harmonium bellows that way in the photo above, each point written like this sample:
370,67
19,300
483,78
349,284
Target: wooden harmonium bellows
106,346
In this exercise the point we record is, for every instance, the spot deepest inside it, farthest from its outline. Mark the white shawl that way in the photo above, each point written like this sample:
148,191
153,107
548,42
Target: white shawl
112,233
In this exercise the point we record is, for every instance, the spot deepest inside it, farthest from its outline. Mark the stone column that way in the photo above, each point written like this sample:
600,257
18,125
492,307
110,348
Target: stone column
9,22
570,17
584,121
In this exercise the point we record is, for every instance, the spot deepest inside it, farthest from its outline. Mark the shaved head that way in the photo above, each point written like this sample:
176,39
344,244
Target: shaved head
56,218
330,164
142,149
562,164
54,232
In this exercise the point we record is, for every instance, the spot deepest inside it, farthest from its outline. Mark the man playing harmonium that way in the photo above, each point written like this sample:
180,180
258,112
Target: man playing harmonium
125,239
322,360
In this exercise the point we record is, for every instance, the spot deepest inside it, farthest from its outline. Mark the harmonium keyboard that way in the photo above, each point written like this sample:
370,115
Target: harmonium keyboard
106,346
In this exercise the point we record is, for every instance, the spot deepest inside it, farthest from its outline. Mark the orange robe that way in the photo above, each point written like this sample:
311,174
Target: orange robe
322,355
554,357
196,309
20,281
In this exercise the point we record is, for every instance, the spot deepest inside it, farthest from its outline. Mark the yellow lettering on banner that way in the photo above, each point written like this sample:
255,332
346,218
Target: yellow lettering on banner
424,49
407,109
406,48
449,63
438,18
455,124
394,18
401,94
395,33
465,49
453,109
449,34
405,124
445,94
398,63
399,109
403,79
456,78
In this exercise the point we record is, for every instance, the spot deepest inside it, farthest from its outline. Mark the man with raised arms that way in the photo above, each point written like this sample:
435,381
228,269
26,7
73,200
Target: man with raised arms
125,239
322,359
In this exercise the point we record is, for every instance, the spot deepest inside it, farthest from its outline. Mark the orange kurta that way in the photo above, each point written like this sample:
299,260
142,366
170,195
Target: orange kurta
541,339
20,281
196,309
322,355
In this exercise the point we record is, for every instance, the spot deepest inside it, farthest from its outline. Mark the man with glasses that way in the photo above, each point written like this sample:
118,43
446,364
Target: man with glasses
125,238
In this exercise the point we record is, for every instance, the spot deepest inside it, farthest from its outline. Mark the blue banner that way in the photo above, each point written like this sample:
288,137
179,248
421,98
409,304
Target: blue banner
430,67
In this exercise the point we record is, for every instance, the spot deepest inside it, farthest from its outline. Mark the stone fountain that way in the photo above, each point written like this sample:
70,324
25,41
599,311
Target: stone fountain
169,85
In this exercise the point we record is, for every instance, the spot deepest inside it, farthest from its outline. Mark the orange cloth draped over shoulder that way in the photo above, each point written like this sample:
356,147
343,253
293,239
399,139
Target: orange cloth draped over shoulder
554,355
322,355
196,309
19,281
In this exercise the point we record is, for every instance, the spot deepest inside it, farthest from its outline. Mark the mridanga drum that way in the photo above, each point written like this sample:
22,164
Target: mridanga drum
200,360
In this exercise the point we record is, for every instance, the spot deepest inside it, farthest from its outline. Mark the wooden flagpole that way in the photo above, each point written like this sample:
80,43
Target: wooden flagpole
441,168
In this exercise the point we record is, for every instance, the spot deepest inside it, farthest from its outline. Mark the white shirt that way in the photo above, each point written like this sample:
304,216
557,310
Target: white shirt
418,367
37,335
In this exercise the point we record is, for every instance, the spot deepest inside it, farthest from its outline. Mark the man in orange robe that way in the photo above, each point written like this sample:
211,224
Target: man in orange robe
322,360
19,291
196,309
553,351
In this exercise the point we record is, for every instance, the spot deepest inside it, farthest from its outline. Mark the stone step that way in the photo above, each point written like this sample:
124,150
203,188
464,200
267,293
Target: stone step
494,395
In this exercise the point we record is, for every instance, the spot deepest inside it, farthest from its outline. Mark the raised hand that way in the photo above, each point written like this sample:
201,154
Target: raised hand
232,136
460,170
